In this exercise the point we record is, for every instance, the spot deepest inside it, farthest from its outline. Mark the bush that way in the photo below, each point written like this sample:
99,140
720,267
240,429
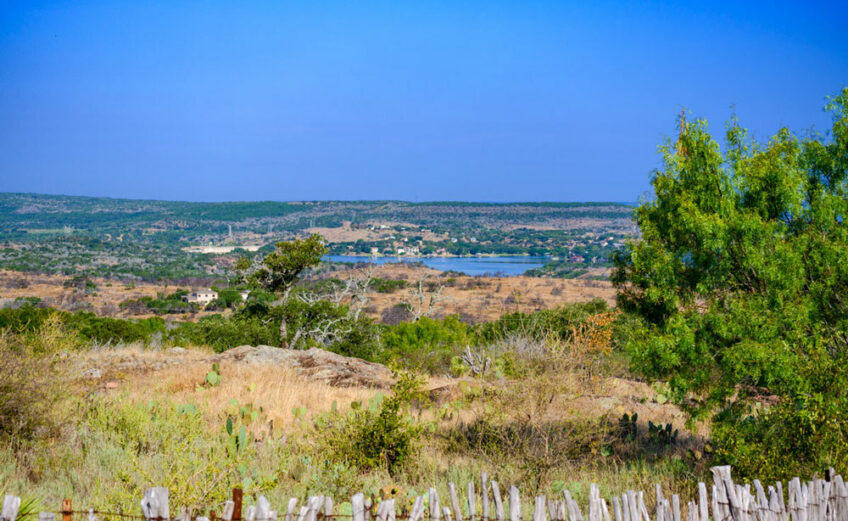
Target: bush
428,344
559,323
792,438
381,285
521,427
379,435
114,330
81,327
227,298
80,282
29,384
396,314
222,333
166,442
162,304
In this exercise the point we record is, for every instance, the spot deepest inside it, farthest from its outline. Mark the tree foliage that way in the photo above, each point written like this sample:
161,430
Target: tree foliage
280,269
740,288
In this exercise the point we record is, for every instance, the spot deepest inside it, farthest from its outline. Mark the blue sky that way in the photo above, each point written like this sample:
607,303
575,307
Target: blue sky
486,101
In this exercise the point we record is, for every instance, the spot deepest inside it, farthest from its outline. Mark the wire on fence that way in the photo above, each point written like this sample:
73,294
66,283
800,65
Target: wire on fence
815,500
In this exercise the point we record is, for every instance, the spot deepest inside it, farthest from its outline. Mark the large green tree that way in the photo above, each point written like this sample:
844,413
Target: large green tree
738,291
278,272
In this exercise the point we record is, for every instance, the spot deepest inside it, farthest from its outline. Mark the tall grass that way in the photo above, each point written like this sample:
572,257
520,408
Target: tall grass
174,427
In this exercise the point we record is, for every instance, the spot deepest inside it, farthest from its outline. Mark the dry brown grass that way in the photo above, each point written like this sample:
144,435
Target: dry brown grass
476,298
487,298
104,301
278,390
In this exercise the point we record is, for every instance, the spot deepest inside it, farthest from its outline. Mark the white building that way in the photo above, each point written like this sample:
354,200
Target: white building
201,296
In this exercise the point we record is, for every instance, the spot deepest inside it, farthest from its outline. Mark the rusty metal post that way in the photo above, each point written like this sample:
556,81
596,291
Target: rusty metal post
236,504
66,510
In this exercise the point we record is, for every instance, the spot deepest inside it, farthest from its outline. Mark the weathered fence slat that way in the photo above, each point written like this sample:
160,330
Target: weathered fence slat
357,504
417,509
11,505
540,509
472,502
514,504
435,515
227,511
496,494
616,508
454,498
292,506
154,504
815,500
484,496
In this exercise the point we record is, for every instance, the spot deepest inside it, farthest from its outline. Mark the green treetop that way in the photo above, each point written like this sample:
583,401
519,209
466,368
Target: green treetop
280,269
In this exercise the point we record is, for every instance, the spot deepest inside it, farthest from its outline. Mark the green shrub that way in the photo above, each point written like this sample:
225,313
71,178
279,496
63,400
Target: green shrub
559,322
30,379
82,327
381,285
381,434
428,344
222,333
169,443
105,329
163,304
792,438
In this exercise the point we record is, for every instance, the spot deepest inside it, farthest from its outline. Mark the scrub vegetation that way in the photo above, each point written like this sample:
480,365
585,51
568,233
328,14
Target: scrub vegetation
727,346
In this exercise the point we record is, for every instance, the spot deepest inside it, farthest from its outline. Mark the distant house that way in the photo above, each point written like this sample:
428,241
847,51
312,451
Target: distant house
201,296
244,294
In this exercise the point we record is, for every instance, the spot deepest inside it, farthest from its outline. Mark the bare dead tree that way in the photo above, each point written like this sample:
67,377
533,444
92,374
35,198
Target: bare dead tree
424,298
478,362
324,332
354,291
358,287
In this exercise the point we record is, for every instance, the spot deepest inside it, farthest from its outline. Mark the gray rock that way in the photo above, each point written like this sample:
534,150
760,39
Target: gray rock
92,373
317,364
176,350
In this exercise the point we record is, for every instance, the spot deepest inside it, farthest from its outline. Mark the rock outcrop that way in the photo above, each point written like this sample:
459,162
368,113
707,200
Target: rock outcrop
315,364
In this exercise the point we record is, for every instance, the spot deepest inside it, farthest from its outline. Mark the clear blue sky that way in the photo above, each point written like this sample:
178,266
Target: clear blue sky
489,101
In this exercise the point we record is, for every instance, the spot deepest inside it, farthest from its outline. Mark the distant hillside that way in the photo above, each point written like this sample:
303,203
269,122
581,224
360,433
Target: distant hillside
162,238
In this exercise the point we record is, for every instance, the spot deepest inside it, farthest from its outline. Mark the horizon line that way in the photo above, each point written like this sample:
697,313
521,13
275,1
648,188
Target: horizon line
295,201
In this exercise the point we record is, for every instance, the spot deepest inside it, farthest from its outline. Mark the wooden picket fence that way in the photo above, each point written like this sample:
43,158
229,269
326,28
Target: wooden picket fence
815,500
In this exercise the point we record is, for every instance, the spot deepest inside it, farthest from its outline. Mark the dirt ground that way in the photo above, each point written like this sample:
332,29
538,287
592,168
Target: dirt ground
52,291
478,299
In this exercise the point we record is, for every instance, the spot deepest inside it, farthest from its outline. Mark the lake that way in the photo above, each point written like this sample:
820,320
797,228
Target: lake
498,264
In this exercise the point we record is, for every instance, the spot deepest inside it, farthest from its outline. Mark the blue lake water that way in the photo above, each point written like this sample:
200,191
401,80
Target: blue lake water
501,264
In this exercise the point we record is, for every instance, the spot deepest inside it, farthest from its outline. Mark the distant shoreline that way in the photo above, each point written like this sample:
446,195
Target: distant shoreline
445,256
